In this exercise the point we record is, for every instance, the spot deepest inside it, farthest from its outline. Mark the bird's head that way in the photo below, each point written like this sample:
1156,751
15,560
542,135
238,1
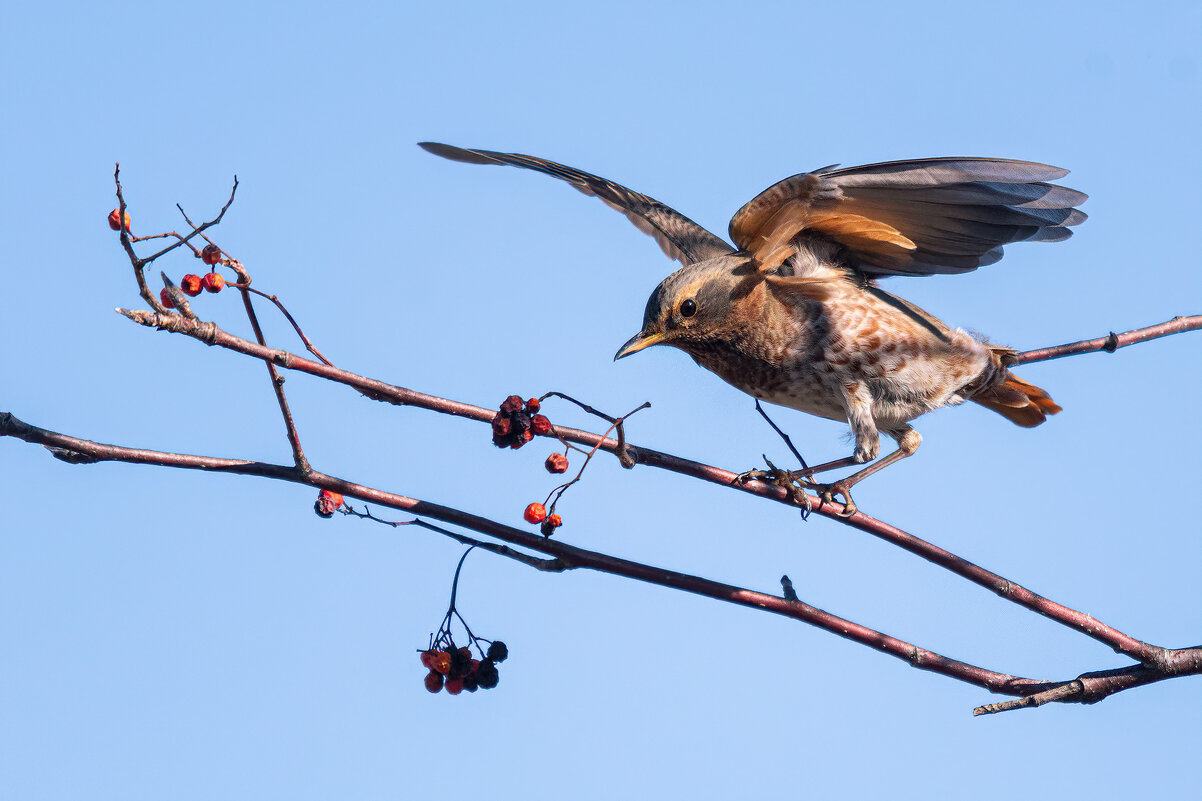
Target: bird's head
692,305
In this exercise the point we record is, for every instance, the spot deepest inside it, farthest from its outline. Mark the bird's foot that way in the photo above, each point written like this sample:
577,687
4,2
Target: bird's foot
793,482
827,493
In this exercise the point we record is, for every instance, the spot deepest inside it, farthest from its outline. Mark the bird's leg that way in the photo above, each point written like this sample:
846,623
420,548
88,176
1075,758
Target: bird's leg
908,441
857,401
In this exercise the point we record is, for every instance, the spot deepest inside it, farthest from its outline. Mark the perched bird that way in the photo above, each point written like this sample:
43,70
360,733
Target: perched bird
794,315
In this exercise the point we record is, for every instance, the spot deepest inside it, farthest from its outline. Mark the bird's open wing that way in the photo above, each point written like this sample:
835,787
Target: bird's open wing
945,215
680,237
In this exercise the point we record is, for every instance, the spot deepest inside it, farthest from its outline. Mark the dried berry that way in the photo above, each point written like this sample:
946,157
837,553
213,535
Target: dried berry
540,425
165,298
511,404
327,503
501,426
518,440
487,675
115,220
212,282
556,463
461,663
434,681
535,513
442,662
533,405
469,682
210,254
498,651
190,284
454,686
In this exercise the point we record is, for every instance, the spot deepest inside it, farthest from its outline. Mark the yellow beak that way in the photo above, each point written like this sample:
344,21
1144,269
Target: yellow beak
638,342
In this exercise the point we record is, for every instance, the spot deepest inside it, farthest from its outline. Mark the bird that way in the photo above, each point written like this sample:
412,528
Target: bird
792,313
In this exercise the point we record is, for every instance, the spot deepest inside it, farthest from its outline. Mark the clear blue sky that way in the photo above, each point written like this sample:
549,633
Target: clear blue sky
168,634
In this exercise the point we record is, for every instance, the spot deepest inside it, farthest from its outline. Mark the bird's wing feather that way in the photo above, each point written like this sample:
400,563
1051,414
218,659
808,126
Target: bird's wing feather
945,215
678,236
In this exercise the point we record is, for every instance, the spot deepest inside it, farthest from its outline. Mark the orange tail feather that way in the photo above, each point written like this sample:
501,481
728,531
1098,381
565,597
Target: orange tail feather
1019,402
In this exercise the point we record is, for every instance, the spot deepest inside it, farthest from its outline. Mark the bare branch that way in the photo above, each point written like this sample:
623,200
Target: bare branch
566,557
1113,341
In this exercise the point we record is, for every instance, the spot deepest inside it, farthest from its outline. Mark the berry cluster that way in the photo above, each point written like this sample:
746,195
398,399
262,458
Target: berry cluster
192,285
327,503
514,426
537,513
455,670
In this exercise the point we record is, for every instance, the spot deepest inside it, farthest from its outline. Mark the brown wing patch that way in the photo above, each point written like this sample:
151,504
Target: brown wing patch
918,217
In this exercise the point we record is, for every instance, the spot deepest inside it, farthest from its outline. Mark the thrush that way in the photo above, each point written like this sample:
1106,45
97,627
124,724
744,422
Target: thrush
793,314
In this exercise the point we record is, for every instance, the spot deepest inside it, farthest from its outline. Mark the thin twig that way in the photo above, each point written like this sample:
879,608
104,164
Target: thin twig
1113,341
544,565
781,434
309,346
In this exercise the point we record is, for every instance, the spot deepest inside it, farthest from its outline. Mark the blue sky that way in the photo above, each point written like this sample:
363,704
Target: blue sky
170,634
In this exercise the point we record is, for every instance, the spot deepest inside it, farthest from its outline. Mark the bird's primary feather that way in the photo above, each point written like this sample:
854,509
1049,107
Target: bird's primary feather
679,237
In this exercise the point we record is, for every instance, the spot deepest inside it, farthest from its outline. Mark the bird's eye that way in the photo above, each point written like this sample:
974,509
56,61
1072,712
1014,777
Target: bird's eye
688,308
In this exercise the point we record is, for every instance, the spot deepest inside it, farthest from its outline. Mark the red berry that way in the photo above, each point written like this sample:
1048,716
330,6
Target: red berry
540,425
535,513
115,220
454,686
166,299
212,282
442,662
556,463
501,425
434,681
327,503
512,404
521,439
210,254
427,658
533,406
190,284
550,524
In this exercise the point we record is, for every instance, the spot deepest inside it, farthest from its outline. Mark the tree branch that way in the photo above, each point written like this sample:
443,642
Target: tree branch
1093,686
1113,341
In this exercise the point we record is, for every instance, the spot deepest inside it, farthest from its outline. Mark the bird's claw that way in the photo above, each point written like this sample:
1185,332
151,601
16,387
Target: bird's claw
793,482
827,493
767,476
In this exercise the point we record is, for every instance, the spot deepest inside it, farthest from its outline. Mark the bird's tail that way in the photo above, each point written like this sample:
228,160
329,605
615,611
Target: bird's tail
1019,402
